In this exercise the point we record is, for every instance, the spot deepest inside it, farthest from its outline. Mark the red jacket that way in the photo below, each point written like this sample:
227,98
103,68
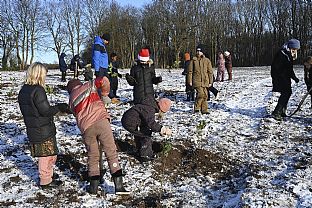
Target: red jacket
87,105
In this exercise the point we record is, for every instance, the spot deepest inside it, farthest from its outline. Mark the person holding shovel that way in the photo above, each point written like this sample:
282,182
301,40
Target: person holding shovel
282,72
93,121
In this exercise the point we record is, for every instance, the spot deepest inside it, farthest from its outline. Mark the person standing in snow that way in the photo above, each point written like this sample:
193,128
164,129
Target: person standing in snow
228,64
63,66
139,120
93,121
100,55
308,74
282,72
190,92
75,64
142,77
200,77
221,67
113,77
40,127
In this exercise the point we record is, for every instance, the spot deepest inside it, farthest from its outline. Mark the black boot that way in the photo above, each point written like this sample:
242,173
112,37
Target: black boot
94,184
119,188
277,113
283,112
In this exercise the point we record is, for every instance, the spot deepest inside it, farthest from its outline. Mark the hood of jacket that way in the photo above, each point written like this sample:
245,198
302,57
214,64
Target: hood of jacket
98,40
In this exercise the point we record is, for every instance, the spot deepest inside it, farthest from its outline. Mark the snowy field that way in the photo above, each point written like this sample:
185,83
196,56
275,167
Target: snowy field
235,156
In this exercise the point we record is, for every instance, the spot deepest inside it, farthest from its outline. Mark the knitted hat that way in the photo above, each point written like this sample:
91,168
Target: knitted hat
293,43
164,104
106,36
144,55
72,84
226,53
187,56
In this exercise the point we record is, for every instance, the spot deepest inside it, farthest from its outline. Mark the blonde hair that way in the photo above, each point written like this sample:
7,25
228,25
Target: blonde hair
36,74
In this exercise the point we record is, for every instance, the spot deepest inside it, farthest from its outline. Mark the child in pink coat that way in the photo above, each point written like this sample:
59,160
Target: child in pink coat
94,123
221,67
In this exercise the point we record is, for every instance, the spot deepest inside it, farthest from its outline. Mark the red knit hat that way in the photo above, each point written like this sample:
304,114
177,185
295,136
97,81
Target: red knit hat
72,84
164,104
144,55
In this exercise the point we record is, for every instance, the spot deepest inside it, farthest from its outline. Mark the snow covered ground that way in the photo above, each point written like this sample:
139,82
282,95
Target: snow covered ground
235,156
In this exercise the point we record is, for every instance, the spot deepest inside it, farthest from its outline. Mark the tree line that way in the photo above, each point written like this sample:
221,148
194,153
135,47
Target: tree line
251,30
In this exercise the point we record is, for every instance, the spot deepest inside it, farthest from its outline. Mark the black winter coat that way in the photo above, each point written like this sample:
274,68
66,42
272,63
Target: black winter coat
144,77
143,116
37,113
282,71
62,63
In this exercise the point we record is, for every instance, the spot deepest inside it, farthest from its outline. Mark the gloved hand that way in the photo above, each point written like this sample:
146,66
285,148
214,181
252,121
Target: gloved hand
106,100
130,79
63,107
165,131
296,79
157,80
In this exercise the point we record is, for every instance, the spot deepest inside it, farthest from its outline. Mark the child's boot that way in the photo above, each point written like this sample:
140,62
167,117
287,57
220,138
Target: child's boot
94,184
119,188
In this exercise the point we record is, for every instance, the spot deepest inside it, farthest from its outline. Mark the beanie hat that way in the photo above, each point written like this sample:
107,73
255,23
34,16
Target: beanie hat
72,84
198,48
144,55
293,43
164,104
106,36
187,57
226,53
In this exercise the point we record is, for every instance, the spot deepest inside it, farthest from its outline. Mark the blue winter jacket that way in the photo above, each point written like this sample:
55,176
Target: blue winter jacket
99,54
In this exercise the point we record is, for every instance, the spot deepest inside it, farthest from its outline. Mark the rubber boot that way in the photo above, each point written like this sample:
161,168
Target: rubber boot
119,188
94,184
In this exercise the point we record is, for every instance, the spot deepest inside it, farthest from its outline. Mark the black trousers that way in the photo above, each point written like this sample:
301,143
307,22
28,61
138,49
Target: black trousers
213,90
282,102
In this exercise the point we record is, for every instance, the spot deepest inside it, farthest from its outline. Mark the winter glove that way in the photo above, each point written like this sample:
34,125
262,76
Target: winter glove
157,80
63,107
130,79
106,101
296,79
165,131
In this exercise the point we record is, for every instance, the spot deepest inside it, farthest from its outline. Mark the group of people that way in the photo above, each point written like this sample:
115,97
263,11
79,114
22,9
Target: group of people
199,76
88,104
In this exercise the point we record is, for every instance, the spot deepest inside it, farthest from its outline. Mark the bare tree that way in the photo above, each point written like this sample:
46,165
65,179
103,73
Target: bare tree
55,26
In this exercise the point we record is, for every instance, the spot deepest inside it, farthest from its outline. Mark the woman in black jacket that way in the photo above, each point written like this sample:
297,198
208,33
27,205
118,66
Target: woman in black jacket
38,118
282,72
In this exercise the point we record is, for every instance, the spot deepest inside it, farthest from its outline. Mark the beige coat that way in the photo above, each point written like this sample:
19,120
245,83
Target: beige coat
200,73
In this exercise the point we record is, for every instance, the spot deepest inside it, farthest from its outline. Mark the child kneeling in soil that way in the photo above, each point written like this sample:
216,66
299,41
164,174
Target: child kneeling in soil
139,120
93,122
